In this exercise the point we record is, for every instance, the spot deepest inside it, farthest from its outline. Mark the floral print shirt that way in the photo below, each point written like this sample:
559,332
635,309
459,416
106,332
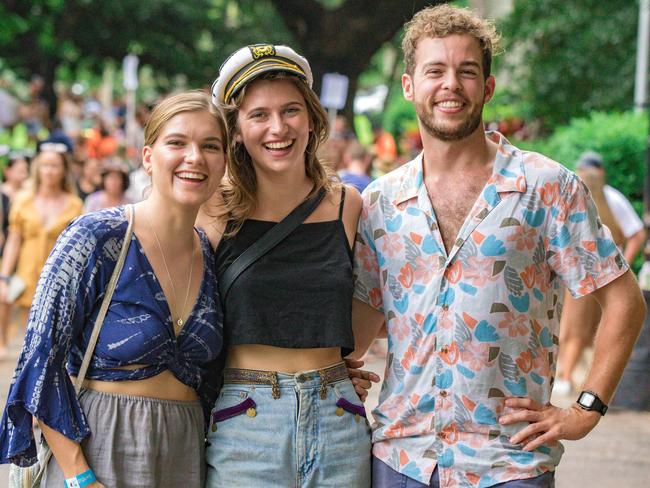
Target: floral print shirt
470,327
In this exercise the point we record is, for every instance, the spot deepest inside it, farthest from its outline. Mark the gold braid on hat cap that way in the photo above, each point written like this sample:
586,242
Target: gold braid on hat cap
258,67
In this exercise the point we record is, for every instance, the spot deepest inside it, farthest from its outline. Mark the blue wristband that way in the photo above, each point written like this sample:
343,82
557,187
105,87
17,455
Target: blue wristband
81,480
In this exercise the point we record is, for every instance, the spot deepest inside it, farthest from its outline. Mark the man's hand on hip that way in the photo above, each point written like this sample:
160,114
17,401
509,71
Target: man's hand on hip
548,423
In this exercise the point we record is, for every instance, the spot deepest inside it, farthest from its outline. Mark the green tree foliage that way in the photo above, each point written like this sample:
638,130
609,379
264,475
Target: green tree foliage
620,138
567,58
188,38
342,35
193,38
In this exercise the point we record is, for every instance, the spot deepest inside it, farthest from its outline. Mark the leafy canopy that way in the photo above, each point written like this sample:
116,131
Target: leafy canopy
566,59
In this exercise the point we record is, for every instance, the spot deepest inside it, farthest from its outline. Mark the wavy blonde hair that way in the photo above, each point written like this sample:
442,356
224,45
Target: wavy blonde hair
67,182
240,185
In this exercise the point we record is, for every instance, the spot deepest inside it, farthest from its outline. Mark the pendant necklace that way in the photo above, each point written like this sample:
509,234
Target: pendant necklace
179,322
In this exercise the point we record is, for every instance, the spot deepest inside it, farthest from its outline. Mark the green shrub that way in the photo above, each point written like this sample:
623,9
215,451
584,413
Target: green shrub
399,115
620,138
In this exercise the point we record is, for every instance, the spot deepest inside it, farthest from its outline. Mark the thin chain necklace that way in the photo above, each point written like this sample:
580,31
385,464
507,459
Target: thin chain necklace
179,322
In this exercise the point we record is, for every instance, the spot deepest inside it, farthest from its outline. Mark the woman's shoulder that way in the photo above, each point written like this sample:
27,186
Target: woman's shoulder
22,198
76,202
100,225
347,199
352,197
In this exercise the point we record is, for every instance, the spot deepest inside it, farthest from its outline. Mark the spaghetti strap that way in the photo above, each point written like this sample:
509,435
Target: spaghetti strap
342,202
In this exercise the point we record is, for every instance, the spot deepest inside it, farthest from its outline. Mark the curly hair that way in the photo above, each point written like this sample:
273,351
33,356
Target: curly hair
444,20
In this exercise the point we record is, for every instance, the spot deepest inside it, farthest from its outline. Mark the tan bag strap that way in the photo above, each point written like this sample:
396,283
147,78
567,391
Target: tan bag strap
110,289
108,295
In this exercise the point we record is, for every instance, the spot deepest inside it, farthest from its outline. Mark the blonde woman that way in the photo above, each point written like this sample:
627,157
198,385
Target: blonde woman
140,419
38,215
287,413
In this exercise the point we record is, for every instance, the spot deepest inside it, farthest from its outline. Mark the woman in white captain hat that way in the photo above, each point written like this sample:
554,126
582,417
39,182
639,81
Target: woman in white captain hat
287,414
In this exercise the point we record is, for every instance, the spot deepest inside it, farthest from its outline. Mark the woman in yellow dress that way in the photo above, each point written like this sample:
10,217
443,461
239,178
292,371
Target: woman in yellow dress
38,215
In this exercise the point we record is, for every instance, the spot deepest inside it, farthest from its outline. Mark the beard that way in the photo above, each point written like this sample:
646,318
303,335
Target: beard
443,131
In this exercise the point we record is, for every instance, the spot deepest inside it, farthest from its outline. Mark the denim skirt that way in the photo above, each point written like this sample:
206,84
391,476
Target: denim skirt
300,432
139,442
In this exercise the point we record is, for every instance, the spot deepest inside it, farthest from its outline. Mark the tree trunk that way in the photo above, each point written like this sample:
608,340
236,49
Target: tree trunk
344,39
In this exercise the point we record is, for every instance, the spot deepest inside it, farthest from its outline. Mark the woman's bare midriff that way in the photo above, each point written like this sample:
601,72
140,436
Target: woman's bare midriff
164,386
281,359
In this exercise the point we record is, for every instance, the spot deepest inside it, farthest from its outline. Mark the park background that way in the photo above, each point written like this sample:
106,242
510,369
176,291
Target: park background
565,84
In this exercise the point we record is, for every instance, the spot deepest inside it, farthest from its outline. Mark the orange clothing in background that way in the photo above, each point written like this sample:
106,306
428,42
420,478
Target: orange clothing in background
98,146
36,240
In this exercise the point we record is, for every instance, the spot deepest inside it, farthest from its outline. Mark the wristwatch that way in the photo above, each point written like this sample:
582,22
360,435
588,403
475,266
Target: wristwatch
588,400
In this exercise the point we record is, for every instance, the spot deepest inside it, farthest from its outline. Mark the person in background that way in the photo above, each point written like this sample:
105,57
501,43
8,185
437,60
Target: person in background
8,106
58,135
332,150
15,174
356,166
35,112
115,182
38,215
69,113
580,317
100,141
623,212
90,179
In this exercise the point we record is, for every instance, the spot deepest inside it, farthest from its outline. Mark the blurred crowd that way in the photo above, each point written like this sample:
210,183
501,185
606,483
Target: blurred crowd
94,137
357,163
78,156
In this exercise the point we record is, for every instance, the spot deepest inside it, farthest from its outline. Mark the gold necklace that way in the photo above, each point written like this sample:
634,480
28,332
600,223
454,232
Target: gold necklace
179,322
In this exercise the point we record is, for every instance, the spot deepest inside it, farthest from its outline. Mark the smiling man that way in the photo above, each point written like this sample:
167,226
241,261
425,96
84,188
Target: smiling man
463,253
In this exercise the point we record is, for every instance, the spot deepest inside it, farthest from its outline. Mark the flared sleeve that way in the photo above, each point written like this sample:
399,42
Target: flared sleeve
68,288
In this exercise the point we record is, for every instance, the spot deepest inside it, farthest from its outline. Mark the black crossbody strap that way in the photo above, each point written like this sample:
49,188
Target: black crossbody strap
268,241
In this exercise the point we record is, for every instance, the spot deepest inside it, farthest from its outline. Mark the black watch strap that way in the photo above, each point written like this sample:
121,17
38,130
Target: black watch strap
588,400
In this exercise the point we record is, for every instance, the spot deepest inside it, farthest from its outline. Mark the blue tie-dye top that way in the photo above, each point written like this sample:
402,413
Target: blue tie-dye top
137,330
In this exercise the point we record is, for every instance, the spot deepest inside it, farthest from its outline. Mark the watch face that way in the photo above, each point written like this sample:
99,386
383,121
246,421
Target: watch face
587,399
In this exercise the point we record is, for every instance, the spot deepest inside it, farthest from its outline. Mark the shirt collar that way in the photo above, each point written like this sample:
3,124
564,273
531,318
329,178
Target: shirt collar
507,173
412,180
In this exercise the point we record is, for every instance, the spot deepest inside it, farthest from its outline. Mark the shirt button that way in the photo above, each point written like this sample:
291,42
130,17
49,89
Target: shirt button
441,435
443,393
444,350
445,307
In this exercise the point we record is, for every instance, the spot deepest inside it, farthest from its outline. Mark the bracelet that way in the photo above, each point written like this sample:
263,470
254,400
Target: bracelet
81,480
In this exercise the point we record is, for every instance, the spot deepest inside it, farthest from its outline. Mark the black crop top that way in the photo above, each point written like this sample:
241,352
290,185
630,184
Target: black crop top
298,295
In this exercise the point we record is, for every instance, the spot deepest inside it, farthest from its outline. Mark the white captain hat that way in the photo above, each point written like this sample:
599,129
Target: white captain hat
247,63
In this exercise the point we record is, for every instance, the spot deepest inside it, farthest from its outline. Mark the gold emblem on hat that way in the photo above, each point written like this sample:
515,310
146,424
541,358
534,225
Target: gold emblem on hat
261,50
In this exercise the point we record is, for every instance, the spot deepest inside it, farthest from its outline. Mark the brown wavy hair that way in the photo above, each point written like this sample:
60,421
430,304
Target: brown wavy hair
240,184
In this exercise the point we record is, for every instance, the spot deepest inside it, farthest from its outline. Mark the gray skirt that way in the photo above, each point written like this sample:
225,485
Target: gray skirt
139,442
